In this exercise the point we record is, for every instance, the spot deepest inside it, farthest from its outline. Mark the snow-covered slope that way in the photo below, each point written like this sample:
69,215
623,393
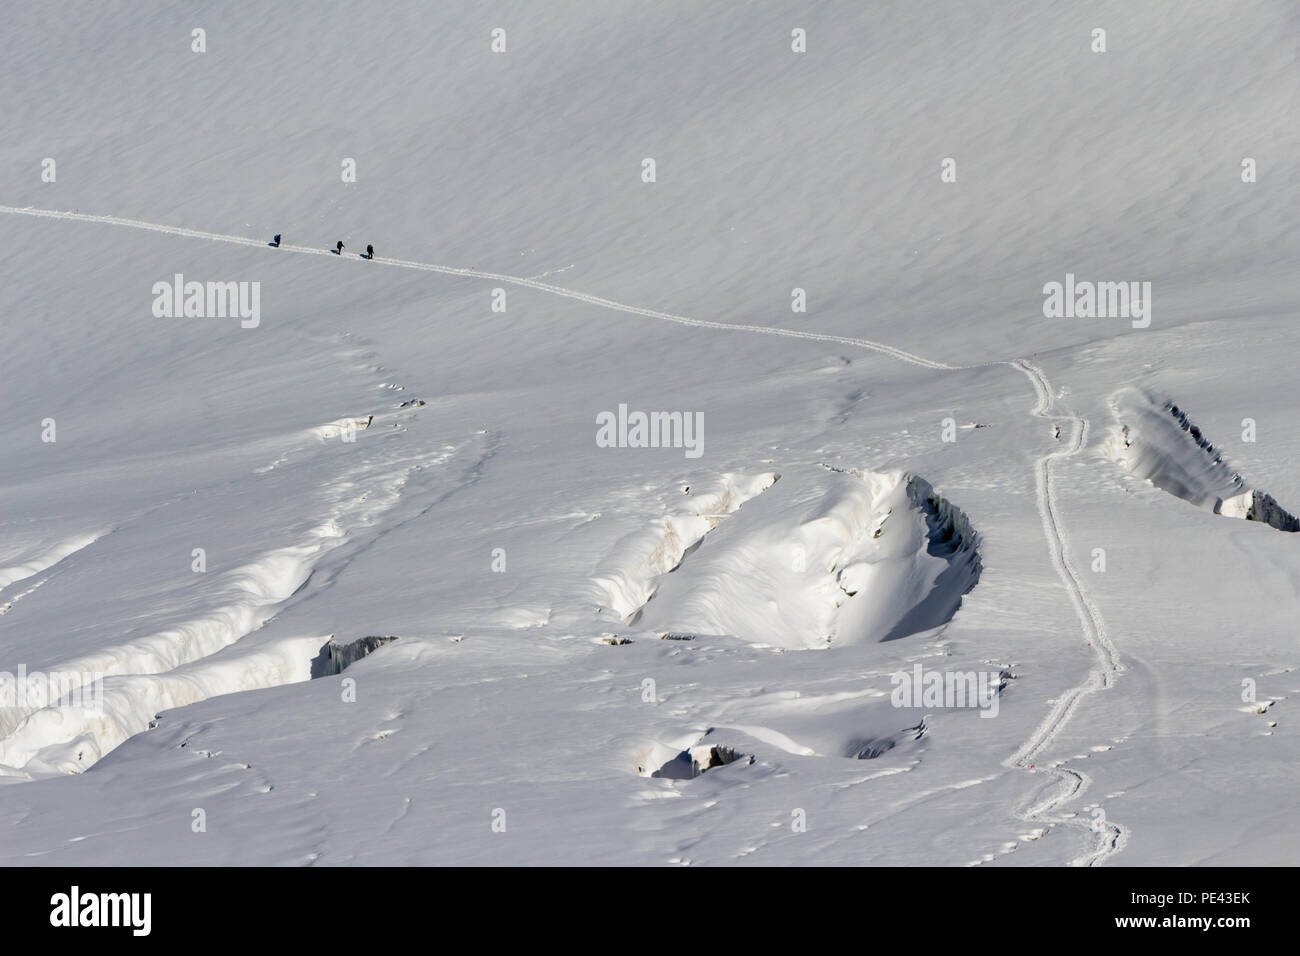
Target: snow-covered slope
921,470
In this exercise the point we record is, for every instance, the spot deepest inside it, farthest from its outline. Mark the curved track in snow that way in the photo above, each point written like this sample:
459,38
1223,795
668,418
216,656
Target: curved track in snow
1068,783
494,276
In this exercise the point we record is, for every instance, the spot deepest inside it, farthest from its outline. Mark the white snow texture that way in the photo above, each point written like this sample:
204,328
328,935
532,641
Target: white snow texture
336,548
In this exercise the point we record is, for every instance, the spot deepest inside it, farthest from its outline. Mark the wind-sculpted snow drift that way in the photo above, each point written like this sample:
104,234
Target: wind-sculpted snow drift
630,576
874,557
44,559
205,655
1157,442
70,737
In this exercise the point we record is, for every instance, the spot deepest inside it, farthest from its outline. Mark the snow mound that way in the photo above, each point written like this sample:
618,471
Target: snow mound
665,761
342,428
873,557
1157,442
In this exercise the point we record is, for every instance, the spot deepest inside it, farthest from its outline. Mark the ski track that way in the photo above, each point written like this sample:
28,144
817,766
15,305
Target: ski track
496,277
1068,784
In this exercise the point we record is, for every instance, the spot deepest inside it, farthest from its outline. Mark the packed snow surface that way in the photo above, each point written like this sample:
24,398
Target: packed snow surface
696,433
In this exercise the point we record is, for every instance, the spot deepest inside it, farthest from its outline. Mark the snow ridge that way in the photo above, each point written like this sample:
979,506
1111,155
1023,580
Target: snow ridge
1157,441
